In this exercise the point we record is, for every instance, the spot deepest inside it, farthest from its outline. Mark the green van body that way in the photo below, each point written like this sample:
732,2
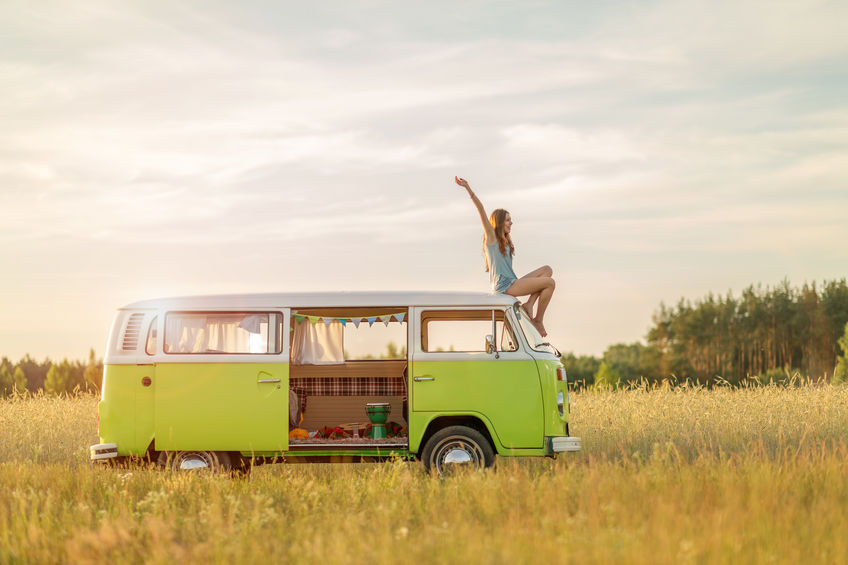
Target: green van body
149,404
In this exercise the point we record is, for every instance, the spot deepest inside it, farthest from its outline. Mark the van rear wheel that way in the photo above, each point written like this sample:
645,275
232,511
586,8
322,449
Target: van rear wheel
454,448
200,461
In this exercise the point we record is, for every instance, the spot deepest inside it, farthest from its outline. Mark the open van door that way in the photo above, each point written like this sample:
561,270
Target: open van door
222,381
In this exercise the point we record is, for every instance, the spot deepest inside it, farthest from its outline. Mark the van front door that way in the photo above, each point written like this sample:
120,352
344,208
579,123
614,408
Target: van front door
221,383
452,372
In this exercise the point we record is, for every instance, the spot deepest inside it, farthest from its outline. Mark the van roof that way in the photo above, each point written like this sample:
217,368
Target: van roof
326,299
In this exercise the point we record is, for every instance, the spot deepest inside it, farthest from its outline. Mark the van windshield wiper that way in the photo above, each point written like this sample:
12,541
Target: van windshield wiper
549,344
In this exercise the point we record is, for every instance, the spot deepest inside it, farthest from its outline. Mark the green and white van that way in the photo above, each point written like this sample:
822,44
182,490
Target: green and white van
226,382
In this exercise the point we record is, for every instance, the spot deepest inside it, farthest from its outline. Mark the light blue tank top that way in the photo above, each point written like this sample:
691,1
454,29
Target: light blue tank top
501,274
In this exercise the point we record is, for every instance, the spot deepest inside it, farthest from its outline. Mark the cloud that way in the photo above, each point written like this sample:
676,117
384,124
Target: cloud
632,139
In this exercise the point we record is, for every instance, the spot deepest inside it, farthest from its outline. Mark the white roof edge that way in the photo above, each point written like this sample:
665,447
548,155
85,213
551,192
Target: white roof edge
326,300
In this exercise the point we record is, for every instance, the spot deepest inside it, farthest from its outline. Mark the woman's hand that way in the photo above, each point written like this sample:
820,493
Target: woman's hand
462,182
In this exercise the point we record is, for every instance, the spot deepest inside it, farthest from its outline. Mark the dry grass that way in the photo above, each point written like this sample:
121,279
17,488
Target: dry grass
667,475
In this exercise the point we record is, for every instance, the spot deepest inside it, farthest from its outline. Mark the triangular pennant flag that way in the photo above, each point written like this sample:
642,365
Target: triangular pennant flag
299,318
356,321
371,320
327,321
313,319
386,320
343,321
399,317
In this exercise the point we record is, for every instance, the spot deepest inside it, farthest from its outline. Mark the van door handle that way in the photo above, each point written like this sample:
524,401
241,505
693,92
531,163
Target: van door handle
268,381
423,378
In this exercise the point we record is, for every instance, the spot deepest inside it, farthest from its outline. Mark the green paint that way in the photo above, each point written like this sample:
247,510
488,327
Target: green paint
126,408
506,395
554,423
221,406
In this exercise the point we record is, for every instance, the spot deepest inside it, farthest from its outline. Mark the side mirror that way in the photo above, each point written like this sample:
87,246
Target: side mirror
490,344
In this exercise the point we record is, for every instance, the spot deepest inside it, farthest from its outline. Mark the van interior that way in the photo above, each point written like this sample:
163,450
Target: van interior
348,378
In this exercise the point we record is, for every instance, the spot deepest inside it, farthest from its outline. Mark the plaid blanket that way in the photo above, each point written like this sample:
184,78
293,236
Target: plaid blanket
305,387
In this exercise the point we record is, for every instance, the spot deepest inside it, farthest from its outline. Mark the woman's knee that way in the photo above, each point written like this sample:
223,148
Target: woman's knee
550,283
547,271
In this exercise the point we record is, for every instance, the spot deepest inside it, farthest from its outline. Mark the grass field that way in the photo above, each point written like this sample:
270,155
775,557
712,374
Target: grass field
666,476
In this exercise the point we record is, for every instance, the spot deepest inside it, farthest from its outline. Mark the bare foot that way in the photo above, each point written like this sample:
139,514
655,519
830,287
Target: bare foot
528,309
539,326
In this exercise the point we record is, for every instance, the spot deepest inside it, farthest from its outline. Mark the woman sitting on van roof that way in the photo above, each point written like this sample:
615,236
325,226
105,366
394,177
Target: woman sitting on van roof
538,283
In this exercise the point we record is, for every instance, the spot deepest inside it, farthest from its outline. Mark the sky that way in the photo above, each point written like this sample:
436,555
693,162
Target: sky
646,151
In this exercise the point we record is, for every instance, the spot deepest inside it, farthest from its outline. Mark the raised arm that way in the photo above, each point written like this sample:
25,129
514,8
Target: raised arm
487,227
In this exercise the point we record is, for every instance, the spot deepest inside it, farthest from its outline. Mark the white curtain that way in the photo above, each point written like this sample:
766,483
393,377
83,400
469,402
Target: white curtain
220,333
318,344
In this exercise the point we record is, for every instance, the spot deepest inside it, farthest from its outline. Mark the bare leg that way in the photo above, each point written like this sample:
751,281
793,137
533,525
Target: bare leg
544,300
544,286
528,306
544,271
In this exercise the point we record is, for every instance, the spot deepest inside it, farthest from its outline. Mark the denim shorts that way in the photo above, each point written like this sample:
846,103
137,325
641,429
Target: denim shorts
503,283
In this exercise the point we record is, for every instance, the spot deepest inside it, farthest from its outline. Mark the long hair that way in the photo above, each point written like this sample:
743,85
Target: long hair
497,219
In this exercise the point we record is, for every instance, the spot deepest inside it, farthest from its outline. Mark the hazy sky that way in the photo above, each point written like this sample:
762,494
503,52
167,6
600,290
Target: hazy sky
647,151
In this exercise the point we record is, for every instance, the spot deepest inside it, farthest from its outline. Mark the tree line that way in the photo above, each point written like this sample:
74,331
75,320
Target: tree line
53,378
768,333
771,333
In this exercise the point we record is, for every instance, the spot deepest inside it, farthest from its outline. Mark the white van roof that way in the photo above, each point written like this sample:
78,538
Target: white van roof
326,299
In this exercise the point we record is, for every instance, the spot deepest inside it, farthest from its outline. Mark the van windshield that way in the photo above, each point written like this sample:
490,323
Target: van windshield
534,338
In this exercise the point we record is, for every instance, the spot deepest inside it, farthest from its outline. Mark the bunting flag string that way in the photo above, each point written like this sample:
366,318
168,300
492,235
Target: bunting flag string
356,320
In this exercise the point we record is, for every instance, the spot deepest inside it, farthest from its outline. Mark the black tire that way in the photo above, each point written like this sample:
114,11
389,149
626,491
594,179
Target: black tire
214,462
457,447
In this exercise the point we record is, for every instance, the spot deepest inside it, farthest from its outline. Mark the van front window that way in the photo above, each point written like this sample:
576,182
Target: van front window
534,338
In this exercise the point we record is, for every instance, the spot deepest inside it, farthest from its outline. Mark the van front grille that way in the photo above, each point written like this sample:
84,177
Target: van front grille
131,333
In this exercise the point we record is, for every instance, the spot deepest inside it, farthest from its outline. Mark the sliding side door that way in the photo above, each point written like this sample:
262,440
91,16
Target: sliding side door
222,381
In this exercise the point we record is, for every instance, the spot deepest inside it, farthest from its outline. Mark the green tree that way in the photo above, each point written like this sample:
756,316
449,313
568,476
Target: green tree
20,380
11,378
60,378
623,360
840,374
6,380
606,376
35,372
766,330
393,351
581,369
93,374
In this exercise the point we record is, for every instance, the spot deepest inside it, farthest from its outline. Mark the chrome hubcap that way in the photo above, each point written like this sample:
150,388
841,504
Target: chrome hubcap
194,460
454,454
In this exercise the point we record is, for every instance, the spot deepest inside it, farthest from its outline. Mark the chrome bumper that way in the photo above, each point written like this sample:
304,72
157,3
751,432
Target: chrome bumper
103,451
559,444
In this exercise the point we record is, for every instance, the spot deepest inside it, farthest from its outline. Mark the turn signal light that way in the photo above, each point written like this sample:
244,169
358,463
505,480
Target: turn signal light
561,376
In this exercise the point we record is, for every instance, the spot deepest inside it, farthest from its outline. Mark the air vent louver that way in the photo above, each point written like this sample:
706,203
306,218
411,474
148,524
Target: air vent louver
131,333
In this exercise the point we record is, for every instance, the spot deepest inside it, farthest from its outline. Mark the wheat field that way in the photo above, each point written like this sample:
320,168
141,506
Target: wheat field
667,475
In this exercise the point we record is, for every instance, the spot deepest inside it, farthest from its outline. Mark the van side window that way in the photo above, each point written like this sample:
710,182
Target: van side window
150,348
223,332
464,331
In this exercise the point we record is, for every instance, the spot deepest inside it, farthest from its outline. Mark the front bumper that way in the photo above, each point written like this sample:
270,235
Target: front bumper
560,444
103,452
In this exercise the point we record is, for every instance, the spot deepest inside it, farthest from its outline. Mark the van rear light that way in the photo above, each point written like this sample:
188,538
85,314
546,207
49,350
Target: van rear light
561,376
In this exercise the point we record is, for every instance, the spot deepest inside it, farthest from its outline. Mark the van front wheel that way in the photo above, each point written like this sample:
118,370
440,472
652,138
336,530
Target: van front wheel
209,461
457,447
